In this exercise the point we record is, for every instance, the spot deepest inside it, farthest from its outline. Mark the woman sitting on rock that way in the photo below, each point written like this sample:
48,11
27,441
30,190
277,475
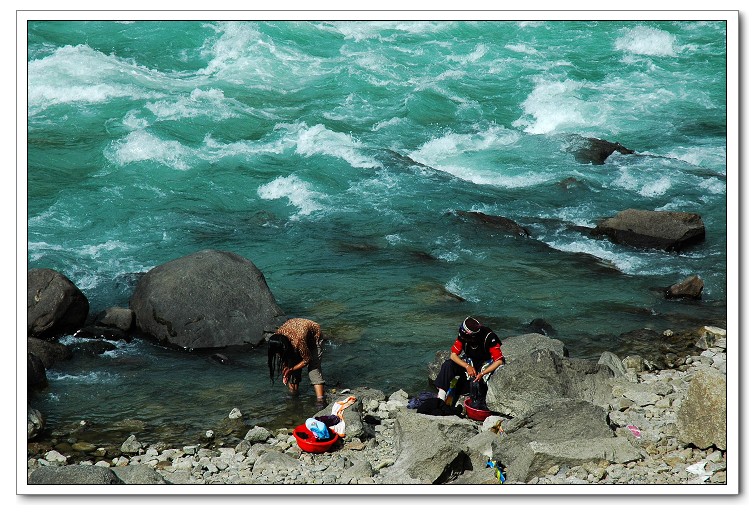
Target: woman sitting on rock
475,354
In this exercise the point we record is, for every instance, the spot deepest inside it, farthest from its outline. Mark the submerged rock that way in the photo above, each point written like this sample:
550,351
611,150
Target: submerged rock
593,150
49,352
497,222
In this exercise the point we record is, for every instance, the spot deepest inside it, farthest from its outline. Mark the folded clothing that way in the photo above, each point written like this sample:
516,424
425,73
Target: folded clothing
416,402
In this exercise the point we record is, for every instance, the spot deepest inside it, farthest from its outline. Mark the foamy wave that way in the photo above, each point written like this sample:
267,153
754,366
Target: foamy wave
360,31
39,249
474,56
94,251
709,157
454,144
713,185
656,188
494,178
453,152
299,194
52,217
582,215
555,106
86,280
214,150
524,24
626,263
133,122
86,378
79,74
393,239
521,49
141,145
241,54
647,41
211,103
232,49
642,184
456,287
459,250
388,123
320,140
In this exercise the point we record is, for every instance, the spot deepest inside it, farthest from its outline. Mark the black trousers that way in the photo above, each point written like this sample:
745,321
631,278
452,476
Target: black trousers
449,370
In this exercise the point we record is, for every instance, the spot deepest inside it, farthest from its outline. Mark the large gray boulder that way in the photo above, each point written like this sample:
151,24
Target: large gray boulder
540,376
73,475
523,345
537,458
54,305
209,299
556,421
701,419
138,475
665,230
429,449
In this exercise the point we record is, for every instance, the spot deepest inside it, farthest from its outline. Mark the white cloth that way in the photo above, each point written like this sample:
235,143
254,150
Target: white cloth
338,407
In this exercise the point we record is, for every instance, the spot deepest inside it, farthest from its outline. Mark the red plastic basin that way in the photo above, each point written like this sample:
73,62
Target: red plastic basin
309,443
475,414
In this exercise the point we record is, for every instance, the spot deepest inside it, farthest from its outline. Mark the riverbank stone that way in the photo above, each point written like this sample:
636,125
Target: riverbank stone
74,475
701,419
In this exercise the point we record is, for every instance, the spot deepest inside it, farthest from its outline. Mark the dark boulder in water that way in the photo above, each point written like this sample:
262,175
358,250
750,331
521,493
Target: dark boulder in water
665,230
539,325
593,150
48,351
54,305
92,347
209,299
116,318
691,287
36,376
498,222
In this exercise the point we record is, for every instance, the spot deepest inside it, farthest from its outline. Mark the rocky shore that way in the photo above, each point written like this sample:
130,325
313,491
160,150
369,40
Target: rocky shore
556,421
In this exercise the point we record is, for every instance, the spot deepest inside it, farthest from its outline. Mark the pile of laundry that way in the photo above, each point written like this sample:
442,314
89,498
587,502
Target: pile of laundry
319,433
